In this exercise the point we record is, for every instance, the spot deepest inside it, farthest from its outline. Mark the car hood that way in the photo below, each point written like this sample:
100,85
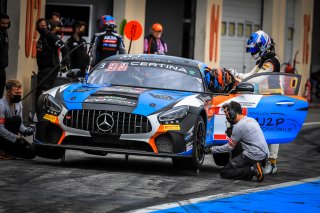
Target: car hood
140,100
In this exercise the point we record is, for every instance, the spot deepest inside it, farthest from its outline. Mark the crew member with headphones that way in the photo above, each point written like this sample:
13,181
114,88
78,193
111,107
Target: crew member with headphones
48,56
247,132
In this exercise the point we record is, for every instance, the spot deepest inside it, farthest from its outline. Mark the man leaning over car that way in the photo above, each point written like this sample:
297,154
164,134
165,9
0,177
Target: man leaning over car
255,149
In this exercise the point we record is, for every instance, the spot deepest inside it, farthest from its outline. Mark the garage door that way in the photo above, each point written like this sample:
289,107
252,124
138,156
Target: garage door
239,20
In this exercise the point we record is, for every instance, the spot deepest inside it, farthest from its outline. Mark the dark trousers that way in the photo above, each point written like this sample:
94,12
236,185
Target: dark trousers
2,82
239,168
17,150
45,80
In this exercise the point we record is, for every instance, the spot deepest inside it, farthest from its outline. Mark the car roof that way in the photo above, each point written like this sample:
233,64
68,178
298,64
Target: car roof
156,58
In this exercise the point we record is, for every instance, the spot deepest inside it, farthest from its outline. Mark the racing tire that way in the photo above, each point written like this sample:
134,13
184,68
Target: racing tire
49,152
221,159
197,158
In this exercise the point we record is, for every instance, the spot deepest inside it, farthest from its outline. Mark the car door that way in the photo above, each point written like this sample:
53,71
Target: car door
274,103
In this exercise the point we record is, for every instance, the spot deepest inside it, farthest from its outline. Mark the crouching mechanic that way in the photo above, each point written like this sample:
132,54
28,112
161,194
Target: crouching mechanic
12,130
248,133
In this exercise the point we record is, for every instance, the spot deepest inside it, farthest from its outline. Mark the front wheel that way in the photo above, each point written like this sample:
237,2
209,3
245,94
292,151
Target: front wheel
197,158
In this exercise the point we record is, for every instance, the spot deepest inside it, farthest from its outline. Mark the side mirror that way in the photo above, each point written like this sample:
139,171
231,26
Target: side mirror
74,73
244,87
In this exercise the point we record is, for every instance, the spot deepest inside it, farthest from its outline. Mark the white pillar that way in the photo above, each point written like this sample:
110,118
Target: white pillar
208,28
274,22
302,38
131,10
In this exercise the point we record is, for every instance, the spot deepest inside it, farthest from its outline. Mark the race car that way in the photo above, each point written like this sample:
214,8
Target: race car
157,105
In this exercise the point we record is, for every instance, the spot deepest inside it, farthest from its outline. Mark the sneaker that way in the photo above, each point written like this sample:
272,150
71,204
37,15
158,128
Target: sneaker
270,168
257,169
6,156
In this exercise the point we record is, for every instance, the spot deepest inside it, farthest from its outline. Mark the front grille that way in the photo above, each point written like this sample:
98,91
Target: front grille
123,123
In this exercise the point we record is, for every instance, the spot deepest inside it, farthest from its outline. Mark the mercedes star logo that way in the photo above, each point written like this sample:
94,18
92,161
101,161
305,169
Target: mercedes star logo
105,122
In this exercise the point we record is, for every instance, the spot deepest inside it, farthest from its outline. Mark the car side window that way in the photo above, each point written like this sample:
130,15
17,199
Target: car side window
274,83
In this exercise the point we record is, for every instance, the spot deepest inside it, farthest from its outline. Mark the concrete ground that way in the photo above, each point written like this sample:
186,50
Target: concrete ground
87,183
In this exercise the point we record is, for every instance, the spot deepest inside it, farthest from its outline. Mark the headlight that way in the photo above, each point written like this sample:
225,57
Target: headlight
51,105
174,115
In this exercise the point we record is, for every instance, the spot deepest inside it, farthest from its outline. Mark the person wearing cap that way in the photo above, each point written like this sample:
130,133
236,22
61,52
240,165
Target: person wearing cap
153,43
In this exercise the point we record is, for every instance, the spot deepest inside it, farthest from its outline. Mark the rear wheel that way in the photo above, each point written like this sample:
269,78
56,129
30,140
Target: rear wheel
196,161
49,152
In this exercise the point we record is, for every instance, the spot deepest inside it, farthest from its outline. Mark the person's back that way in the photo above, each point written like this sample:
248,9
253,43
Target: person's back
253,142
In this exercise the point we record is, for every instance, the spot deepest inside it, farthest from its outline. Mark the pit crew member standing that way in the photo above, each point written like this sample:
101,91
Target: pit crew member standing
79,58
153,43
107,43
255,152
48,56
4,48
11,126
261,47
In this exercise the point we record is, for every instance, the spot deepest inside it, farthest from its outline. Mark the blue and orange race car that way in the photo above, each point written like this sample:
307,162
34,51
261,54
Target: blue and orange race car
156,105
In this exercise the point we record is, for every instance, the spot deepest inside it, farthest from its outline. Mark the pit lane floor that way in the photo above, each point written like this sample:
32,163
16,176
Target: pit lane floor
87,183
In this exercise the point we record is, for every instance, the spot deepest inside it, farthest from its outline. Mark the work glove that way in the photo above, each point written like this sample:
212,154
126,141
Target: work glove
205,150
28,132
229,131
64,69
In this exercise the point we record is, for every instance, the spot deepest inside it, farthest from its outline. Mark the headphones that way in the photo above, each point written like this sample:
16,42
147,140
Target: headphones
232,114
49,28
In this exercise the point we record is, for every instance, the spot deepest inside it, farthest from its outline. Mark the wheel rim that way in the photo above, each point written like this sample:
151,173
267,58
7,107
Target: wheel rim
200,140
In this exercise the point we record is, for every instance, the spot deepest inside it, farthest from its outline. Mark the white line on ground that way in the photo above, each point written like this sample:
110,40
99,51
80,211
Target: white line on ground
311,123
223,195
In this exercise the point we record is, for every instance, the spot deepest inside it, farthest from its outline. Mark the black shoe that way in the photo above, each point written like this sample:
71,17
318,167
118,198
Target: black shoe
258,172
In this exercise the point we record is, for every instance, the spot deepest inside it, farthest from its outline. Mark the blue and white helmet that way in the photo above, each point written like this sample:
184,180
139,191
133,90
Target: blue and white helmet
258,44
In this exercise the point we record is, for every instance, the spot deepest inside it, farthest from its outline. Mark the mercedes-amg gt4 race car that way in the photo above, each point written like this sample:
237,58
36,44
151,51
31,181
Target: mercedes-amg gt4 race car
156,105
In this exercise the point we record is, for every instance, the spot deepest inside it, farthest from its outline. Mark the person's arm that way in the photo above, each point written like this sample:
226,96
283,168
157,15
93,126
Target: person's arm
22,128
4,133
122,49
63,48
228,147
242,76
145,46
165,48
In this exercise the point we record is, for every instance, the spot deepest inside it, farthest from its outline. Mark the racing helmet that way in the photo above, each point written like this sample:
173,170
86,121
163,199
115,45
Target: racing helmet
258,44
107,22
219,80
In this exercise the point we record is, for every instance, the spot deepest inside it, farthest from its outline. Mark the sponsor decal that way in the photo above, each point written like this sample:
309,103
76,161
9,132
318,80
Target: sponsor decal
158,65
51,118
188,137
189,146
2,120
117,67
164,97
171,127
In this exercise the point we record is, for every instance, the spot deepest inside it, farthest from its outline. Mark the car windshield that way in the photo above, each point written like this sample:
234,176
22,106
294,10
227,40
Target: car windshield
147,74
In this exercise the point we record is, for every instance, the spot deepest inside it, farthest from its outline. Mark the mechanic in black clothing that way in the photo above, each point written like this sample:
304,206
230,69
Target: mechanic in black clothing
247,132
79,58
107,43
12,129
48,56
4,48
